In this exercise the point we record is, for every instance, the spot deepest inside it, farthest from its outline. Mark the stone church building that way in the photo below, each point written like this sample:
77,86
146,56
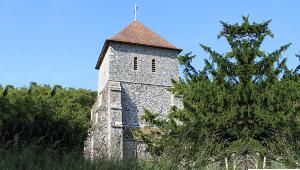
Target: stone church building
135,71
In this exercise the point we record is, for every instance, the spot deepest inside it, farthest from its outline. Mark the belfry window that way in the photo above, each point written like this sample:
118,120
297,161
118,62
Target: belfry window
153,66
135,63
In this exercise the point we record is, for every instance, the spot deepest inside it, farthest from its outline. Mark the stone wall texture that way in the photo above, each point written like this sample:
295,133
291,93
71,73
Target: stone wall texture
104,70
125,93
121,64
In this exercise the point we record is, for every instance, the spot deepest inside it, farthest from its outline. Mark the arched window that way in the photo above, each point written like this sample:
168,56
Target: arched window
153,65
135,63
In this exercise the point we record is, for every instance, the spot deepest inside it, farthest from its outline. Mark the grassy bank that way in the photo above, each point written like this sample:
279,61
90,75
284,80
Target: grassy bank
29,159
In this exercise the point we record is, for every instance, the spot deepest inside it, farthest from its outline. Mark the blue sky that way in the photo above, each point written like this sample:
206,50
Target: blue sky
59,41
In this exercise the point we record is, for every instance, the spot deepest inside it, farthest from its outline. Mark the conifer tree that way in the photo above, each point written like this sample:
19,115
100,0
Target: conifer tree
242,106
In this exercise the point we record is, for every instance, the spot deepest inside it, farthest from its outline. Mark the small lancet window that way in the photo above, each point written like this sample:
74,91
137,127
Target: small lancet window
135,63
153,66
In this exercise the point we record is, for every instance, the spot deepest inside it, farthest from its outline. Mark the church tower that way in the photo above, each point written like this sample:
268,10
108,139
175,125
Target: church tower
135,71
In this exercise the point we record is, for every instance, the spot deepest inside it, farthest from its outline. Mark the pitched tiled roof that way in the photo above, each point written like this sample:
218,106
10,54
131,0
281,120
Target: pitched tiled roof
136,33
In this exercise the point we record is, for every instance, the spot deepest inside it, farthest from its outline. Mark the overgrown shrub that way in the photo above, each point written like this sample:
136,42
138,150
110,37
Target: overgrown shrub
44,116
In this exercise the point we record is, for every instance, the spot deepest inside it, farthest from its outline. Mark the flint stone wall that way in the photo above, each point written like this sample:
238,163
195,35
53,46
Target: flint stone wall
103,75
121,64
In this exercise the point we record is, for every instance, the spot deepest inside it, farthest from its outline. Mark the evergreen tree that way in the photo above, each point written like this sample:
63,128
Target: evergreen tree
242,106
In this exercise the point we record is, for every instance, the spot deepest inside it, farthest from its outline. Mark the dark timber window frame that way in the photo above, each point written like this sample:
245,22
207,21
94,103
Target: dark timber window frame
153,66
135,63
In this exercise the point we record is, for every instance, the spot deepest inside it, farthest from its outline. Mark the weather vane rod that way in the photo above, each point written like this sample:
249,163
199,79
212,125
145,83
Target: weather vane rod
135,11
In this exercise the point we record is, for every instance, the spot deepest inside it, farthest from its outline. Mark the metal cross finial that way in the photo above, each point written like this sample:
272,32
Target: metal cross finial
135,11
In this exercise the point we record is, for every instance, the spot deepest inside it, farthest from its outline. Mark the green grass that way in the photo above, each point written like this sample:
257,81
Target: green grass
30,159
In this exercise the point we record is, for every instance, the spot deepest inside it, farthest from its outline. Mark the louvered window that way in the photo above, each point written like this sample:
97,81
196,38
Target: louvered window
135,62
153,66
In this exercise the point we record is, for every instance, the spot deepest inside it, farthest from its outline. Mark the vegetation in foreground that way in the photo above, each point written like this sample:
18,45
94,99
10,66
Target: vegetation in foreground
44,116
48,159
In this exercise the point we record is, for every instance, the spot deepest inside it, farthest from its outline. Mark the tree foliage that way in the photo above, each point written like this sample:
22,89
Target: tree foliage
242,104
44,116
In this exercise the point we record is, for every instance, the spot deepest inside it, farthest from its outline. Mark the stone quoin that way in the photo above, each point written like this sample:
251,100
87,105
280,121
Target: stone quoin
135,71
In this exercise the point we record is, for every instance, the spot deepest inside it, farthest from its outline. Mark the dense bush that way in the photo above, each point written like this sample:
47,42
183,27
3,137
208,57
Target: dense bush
44,116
